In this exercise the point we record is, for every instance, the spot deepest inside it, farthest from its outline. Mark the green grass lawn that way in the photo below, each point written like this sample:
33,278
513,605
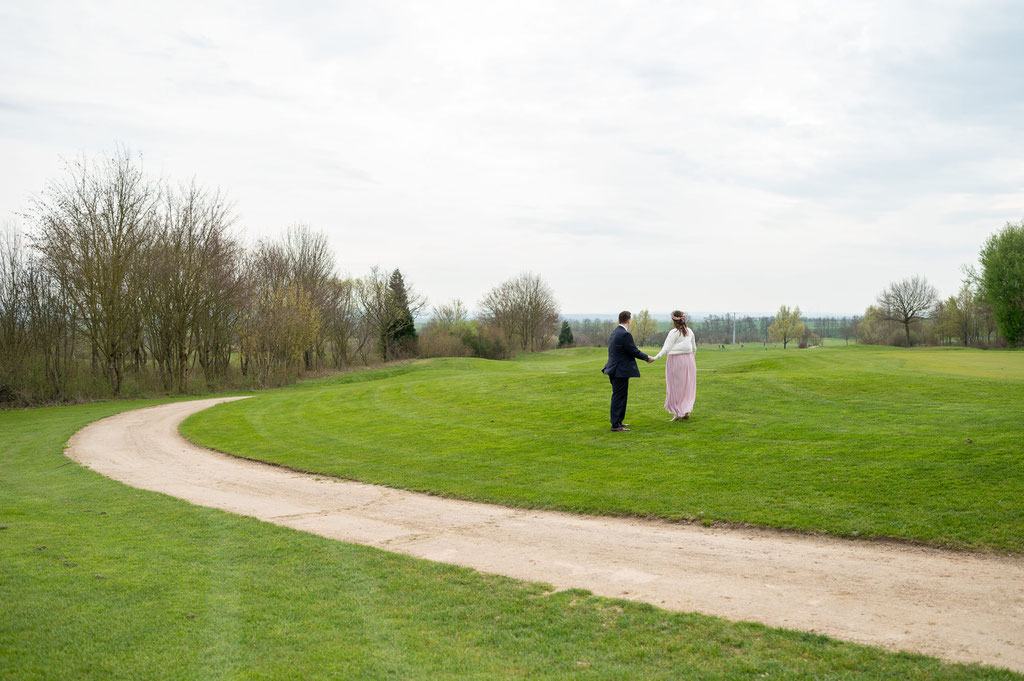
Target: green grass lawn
923,444
102,581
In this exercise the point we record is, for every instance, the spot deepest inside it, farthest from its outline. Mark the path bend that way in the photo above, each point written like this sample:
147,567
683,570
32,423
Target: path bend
956,606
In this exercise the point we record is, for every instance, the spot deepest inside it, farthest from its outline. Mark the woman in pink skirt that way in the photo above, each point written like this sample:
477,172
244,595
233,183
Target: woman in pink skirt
680,368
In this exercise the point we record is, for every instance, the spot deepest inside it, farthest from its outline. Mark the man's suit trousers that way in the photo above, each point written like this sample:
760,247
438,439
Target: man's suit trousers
620,393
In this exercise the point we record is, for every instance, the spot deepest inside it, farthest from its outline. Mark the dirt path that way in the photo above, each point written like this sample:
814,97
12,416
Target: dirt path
960,607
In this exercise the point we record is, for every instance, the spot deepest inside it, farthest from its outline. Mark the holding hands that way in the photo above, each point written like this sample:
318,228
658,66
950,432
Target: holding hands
650,359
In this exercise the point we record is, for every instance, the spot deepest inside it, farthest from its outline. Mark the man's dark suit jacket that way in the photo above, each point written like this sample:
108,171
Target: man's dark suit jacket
622,355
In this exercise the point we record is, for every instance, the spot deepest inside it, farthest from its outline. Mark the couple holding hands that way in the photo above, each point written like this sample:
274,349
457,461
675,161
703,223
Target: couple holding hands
680,368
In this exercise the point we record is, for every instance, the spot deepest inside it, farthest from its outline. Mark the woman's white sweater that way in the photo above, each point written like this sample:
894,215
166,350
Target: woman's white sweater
678,344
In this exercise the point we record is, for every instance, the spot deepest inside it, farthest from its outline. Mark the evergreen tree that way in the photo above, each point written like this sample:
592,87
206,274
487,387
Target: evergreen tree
401,332
565,335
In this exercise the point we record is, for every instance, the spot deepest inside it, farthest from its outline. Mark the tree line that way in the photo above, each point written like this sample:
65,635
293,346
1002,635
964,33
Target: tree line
716,329
910,312
987,311
519,314
122,284
125,285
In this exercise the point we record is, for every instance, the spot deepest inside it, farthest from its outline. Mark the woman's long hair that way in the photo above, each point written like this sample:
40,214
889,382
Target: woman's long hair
678,321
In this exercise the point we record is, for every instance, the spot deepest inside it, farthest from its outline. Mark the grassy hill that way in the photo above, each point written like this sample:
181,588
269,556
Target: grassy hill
922,444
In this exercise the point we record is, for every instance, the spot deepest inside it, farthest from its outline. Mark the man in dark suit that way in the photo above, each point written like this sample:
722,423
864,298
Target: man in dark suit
622,356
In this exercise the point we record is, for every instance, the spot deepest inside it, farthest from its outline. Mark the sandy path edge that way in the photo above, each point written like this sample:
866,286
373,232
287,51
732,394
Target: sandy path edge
957,606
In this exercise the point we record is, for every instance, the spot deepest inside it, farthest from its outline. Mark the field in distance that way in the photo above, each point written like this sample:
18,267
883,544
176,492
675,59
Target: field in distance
923,444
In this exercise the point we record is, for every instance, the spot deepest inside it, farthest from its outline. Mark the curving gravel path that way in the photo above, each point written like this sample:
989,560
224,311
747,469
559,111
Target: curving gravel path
957,606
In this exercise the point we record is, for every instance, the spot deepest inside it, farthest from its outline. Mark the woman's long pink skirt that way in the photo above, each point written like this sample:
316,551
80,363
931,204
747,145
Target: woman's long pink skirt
680,384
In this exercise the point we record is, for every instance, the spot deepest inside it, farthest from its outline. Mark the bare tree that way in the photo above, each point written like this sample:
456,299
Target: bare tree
53,324
268,263
449,316
907,301
277,326
498,308
37,326
966,307
374,299
275,311
303,259
190,246
524,308
311,267
874,329
93,230
344,328
965,317
222,286
15,334
848,328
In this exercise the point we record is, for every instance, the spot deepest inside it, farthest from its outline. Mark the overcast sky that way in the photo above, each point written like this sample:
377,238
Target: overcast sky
710,156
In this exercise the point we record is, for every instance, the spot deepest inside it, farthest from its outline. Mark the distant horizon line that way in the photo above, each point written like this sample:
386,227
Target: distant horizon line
698,316
666,316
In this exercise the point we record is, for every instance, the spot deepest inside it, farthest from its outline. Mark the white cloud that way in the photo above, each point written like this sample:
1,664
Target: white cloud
713,156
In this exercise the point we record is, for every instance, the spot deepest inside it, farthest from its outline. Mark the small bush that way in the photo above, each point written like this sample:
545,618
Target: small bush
8,395
435,342
810,341
486,341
